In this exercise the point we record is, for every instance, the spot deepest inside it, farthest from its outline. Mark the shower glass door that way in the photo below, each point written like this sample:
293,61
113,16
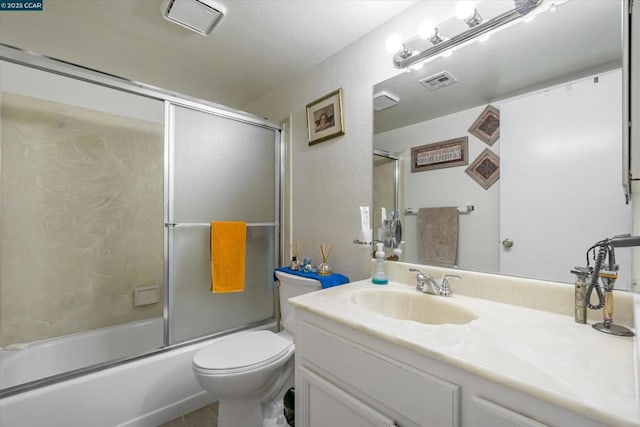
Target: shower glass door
81,191
222,169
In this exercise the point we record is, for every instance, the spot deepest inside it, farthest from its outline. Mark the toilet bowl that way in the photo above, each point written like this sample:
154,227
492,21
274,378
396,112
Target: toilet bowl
246,370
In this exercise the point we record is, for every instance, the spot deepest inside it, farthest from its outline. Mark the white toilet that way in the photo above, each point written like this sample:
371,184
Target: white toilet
248,369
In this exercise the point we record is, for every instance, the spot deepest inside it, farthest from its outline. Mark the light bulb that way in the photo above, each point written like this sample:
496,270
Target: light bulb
426,30
418,66
394,43
465,9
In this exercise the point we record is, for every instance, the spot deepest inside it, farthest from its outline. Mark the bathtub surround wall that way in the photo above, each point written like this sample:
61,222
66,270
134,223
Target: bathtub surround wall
81,218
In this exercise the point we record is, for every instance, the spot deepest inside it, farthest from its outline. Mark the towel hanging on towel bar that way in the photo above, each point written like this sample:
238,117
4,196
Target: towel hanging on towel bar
438,236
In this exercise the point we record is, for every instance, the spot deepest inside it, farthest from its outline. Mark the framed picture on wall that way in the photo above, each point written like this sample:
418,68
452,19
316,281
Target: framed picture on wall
485,169
487,125
324,118
444,154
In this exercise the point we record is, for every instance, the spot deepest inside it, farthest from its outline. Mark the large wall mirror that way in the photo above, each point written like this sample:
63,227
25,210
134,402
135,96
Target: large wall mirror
557,85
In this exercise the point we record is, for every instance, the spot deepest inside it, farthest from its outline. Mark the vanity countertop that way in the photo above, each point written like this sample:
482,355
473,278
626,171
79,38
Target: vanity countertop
544,354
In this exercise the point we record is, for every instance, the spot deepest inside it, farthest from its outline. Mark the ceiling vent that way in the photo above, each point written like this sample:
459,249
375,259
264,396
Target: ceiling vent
384,99
438,81
200,16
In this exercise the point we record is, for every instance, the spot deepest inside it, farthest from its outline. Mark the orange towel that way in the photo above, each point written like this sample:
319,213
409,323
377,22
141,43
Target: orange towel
228,248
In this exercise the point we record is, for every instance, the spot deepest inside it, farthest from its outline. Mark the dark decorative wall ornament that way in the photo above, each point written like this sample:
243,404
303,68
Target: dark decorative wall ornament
485,169
487,125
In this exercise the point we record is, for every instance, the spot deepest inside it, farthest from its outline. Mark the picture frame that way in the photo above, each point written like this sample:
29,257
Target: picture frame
325,118
487,126
439,155
485,169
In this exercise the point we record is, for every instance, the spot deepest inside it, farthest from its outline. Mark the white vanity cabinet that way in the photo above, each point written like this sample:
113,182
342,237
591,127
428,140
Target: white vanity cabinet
347,377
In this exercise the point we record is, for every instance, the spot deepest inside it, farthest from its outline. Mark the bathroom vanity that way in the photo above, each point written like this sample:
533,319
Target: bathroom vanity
501,351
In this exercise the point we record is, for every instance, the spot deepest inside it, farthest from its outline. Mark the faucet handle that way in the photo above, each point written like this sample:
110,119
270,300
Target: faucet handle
445,289
421,278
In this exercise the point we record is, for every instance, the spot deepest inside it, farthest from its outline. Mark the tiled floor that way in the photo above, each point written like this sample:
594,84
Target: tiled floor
203,417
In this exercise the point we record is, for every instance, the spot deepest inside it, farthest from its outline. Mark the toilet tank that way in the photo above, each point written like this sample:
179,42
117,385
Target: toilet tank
291,286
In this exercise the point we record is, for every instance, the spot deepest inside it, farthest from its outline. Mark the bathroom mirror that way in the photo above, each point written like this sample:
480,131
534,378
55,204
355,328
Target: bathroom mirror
557,84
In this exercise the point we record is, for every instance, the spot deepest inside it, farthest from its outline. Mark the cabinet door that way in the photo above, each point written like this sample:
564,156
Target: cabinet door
489,414
324,404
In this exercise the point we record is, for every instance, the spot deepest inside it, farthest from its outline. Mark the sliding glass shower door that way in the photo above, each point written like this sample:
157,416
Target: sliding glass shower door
107,190
221,169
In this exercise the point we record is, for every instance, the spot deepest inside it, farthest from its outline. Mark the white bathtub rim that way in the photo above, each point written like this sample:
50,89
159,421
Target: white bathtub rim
75,335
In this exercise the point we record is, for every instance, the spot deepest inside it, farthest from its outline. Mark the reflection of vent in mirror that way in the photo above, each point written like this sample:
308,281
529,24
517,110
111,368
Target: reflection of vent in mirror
384,99
438,80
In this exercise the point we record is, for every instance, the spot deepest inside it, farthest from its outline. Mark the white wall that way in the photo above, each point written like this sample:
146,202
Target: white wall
333,178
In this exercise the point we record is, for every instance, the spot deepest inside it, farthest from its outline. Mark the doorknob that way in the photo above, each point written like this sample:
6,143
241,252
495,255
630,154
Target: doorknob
507,243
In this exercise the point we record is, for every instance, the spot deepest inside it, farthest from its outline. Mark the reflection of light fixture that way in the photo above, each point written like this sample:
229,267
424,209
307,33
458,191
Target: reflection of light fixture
466,10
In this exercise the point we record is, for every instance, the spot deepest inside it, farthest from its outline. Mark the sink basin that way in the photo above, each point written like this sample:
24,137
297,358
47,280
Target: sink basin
416,306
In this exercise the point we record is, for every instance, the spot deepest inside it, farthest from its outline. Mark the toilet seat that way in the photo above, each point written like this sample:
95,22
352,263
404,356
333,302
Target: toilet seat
242,353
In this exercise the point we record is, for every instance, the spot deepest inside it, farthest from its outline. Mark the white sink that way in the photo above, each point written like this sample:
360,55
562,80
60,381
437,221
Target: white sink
416,306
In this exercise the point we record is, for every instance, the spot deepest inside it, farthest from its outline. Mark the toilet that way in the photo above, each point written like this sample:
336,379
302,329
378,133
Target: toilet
248,370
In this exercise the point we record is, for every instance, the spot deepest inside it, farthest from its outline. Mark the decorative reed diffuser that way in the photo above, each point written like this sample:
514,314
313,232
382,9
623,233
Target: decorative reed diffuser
324,269
295,250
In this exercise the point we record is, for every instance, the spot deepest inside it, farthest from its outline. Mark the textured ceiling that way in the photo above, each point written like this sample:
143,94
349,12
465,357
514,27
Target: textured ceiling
258,46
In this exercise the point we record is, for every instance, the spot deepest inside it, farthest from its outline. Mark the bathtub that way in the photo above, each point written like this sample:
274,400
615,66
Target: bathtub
20,363
148,391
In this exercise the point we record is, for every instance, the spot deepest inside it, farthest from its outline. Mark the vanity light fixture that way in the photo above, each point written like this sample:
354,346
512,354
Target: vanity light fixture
466,11
200,16
405,58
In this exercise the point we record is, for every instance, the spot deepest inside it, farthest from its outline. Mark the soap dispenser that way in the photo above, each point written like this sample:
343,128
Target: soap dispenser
379,278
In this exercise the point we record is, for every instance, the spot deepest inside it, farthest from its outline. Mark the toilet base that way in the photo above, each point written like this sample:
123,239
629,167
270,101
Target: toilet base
246,412
254,411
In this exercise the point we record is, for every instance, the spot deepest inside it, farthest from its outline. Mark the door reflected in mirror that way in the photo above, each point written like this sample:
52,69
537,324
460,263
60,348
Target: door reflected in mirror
386,189
556,84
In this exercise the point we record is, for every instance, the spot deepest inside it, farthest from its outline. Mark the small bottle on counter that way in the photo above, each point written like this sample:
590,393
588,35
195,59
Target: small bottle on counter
379,277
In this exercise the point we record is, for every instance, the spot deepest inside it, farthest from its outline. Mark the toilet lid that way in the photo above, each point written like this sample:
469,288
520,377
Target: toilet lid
242,350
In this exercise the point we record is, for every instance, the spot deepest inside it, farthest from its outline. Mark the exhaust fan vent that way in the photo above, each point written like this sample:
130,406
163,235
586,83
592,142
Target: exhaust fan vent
197,15
384,99
438,81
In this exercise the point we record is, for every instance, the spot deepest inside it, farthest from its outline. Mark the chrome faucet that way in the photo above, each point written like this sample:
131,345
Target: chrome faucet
429,285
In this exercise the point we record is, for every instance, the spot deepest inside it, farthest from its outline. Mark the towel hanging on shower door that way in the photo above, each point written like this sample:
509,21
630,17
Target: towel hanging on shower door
228,252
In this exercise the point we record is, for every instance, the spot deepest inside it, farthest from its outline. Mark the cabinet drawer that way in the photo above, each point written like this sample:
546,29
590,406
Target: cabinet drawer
421,398
489,414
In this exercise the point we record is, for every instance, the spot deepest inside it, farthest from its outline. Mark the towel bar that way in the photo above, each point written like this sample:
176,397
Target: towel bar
207,224
461,211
